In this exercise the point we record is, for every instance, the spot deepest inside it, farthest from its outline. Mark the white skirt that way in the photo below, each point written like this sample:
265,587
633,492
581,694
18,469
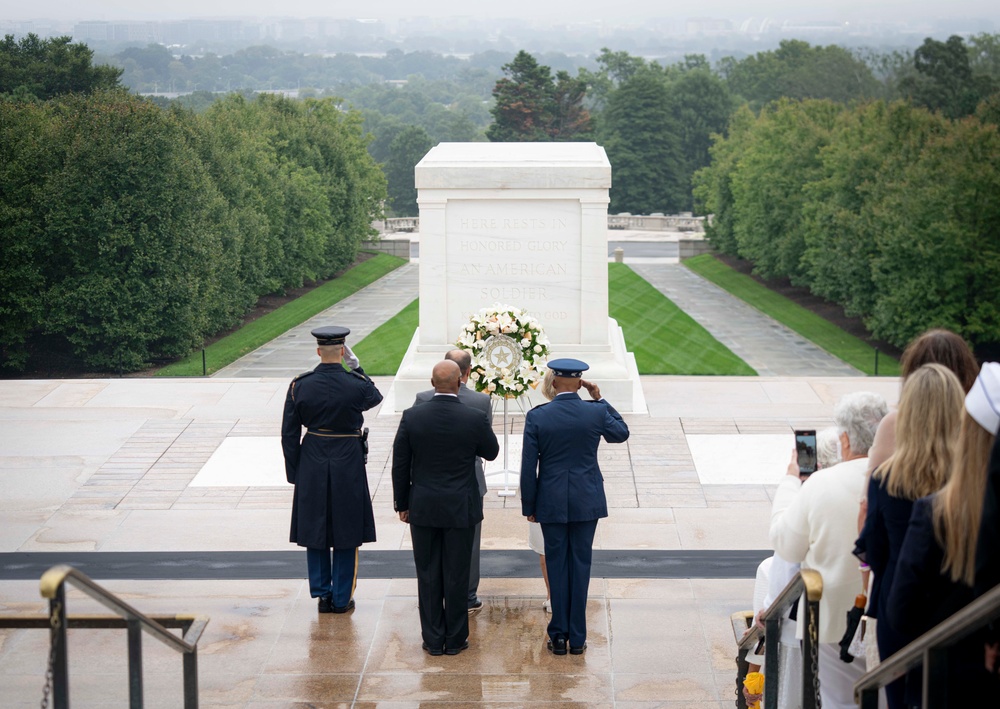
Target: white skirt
535,539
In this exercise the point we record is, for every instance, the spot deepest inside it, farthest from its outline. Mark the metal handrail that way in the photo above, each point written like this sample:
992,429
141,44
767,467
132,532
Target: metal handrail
810,583
926,651
53,587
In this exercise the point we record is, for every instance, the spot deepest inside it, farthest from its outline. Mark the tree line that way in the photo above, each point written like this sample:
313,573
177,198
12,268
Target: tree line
131,232
135,228
886,208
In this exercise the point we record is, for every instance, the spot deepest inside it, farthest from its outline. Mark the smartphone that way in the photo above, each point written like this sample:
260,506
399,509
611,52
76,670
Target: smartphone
805,449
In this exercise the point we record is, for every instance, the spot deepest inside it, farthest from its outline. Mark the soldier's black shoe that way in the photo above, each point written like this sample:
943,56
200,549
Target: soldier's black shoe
456,650
325,604
578,650
557,646
344,609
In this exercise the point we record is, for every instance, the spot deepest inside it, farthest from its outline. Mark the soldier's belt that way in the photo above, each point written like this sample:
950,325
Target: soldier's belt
328,433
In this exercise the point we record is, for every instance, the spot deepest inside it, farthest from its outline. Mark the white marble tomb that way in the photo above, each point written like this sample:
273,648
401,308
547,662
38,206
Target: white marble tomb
520,224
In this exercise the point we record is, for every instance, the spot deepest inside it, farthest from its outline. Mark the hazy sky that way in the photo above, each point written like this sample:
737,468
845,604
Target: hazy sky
582,9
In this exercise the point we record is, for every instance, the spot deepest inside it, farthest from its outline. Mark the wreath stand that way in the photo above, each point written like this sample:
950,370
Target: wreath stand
506,492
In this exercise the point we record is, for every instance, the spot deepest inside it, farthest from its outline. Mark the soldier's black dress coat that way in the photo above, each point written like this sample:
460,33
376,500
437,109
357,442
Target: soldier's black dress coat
331,506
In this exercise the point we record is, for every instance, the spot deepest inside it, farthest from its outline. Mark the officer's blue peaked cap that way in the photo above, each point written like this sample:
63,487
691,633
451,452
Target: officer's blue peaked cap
567,367
330,335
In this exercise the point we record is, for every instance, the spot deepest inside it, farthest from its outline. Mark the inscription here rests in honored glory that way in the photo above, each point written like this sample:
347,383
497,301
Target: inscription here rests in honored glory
524,253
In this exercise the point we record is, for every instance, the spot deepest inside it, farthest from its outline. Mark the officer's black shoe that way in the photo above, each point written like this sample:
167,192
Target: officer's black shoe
475,606
326,604
344,609
578,650
456,650
557,646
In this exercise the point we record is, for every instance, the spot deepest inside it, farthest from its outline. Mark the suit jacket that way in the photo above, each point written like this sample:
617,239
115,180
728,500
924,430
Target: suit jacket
560,479
477,401
433,462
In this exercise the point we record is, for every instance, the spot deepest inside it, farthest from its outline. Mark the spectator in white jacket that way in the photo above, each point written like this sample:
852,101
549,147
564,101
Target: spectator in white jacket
816,525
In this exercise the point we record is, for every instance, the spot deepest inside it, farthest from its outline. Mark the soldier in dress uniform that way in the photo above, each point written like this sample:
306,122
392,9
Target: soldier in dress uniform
331,507
562,489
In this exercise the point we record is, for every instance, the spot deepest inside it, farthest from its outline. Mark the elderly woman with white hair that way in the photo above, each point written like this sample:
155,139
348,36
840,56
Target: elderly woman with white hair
816,525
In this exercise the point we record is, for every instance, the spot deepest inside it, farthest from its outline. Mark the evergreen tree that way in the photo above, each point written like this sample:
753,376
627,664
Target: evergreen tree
532,105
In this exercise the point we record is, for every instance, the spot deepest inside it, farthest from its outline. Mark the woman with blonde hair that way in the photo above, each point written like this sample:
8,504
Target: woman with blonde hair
937,563
930,411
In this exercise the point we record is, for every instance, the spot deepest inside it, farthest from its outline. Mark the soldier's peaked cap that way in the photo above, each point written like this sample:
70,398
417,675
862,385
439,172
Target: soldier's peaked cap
567,367
330,335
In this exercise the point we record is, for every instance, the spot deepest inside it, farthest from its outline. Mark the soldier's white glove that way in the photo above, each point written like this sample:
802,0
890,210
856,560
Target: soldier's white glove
350,359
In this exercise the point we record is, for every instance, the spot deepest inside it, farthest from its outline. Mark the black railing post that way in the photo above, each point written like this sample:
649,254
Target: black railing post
204,364
772,637
876,361
134,664
810,660
935,689
191,679
59,657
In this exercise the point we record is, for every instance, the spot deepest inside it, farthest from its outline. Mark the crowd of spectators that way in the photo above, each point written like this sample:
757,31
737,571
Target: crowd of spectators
907,520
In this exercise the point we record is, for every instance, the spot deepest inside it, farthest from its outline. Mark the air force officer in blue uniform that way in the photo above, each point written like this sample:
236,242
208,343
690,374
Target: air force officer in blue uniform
562,489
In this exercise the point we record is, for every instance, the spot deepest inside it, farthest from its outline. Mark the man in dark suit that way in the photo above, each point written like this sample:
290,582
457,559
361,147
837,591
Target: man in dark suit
435,490
331,506
482,403
562,489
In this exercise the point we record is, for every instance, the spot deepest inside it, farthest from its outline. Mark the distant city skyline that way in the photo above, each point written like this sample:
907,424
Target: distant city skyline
582,10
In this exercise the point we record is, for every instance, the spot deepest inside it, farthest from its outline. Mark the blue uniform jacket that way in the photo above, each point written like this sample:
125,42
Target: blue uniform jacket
560,479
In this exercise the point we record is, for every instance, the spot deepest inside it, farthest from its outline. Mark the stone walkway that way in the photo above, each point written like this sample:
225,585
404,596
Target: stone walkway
363,312
763,343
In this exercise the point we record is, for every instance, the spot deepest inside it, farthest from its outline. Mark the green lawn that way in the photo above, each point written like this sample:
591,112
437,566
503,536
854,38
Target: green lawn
382,351
268,327
817,330
664,339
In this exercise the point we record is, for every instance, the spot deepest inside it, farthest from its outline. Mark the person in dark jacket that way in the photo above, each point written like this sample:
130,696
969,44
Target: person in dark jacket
930,411
562,489
331,506
435,491
936,570
481,402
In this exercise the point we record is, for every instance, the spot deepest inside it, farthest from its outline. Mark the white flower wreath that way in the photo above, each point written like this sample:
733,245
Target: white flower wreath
509,350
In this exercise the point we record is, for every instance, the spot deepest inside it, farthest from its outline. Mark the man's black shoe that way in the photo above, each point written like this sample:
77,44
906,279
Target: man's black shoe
344,609
475,606
578,650
325,604
432,651
456,650
557,646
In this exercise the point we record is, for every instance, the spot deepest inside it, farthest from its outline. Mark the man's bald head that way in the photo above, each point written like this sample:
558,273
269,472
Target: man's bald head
446,377
463,359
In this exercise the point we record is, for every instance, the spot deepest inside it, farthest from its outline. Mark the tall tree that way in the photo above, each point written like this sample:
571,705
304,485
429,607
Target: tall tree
405,151
643,144
45,68
532,105
944,80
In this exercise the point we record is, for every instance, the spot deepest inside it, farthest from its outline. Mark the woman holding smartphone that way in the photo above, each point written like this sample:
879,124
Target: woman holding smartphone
927,425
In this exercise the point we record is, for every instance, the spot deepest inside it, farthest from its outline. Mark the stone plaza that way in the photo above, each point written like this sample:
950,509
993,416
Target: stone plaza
125,466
